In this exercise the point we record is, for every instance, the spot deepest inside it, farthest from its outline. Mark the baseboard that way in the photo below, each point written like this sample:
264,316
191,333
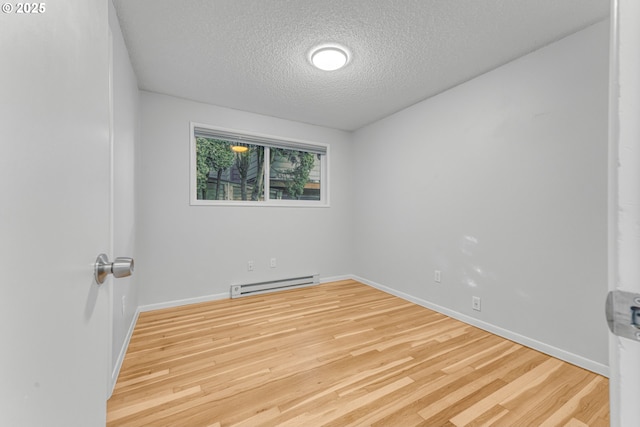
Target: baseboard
214,297
180,302
558,353
336,278
123,352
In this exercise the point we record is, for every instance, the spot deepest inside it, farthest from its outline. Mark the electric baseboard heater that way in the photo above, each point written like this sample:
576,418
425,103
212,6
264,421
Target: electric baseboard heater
274,285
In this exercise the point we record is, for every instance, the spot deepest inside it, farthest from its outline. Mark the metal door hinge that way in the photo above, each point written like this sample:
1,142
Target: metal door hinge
623,314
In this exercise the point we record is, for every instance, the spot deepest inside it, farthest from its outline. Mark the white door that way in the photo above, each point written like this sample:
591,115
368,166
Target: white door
54,212
624,201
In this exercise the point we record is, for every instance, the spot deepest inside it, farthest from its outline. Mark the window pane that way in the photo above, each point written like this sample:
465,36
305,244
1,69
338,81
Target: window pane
294,175
224,174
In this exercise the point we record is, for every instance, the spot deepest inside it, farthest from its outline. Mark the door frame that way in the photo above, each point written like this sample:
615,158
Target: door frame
624,200
109,281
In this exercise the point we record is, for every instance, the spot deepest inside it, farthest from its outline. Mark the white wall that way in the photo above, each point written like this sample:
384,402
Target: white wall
188,252
125,136
500,183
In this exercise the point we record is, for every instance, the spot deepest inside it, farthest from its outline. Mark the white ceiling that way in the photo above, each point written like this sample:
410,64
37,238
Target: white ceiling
252,55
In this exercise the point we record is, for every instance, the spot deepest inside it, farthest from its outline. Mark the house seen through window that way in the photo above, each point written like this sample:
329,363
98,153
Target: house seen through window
233,168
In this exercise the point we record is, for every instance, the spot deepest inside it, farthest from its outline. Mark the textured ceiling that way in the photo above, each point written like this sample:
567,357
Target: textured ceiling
252,55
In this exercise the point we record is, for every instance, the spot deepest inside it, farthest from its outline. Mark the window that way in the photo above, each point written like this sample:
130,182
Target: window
233,168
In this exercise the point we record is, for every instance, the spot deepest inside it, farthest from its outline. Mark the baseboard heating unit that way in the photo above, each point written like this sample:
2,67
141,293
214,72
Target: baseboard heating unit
273,285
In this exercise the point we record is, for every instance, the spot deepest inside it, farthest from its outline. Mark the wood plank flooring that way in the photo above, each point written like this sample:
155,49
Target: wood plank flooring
340,354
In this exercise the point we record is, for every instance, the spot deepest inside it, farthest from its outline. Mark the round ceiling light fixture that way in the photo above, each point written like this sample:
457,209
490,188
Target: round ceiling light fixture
329,58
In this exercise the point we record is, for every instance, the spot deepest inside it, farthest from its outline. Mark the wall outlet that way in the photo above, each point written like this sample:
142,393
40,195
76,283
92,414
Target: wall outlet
437,276
250,265
475,303
272,263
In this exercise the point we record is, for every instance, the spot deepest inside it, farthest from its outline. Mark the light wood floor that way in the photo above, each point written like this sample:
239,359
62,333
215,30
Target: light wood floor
340,354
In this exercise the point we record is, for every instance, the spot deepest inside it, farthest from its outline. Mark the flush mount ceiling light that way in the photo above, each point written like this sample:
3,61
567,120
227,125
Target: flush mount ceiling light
329,58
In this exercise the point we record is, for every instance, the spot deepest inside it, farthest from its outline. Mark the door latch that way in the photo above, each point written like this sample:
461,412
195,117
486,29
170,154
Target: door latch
623,314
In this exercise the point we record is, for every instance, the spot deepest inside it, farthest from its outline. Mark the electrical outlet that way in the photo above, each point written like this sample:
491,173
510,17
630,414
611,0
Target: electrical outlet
250,266
272,263
475,303
124,303
437,276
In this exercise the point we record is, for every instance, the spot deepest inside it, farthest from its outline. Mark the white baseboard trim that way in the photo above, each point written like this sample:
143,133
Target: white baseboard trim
180,302
123,352
336,278
558,353
214,297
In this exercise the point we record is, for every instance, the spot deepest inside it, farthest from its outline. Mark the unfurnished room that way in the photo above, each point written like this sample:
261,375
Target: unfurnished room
320,213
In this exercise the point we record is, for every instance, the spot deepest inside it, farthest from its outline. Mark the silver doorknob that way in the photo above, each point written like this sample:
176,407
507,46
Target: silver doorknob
121,267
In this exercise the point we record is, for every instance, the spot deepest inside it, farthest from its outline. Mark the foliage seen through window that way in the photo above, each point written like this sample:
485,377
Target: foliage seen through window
223,174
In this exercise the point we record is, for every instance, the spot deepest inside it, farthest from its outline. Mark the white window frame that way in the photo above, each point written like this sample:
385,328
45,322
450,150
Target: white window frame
265,141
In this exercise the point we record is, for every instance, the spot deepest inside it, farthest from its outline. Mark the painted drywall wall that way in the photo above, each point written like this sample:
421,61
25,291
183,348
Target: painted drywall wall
501,184
125,136
188,252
